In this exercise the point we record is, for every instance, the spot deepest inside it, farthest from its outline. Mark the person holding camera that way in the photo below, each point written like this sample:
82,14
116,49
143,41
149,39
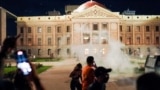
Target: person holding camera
8,48
101,78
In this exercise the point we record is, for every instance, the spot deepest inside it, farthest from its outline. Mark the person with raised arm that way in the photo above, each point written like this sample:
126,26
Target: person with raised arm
88,73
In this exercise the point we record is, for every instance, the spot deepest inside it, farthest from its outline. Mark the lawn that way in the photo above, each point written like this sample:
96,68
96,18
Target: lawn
42,69
13,68
46,59
9,72
9,69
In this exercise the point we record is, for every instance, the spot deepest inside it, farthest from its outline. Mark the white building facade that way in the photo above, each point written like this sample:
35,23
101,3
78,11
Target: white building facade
88,30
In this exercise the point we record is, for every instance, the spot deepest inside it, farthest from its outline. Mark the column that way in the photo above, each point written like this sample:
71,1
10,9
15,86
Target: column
109,33
152,35
133,34
118,31
2,25
143,38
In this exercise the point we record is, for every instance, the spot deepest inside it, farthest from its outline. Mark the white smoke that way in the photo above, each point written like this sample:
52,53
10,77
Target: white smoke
117,59
107,55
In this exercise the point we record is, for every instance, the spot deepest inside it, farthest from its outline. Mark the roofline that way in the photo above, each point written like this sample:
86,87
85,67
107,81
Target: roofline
8,12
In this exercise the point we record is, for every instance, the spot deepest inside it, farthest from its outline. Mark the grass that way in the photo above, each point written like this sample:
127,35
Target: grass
46,59
42,69
9,69
9,72
13,68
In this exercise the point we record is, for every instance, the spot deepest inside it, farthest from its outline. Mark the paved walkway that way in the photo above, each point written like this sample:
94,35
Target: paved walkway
57,77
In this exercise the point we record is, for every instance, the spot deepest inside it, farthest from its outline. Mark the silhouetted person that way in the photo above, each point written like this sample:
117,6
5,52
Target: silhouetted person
76,77
8,46
101,78
148,81
26,82
88,73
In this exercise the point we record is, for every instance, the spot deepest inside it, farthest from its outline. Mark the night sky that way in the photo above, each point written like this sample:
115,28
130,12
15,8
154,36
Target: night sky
40,7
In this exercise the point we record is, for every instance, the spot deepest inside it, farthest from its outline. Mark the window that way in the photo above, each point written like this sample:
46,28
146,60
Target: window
102,51
86,38
29,51
138,40
39,30
29,29
39,41
21,30
147,40
58,41
58,29
129,51
49,41
68,51
29,41
147,28
68,40
129,41
86,51
58,51
157,29
104,26
120,28
48,29
68,28
21,41
49,51
121,39
128,28
95,26
103,40
138,28
148,50
39,51
157,40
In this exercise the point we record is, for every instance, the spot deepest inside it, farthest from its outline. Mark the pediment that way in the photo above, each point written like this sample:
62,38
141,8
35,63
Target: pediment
96,12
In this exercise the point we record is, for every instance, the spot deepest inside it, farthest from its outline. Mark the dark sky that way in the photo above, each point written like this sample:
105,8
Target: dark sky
40,7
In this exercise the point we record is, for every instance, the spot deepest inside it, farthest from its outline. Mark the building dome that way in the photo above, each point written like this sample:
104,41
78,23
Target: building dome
88,4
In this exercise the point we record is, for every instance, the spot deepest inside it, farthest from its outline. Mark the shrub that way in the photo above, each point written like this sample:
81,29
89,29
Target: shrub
38,65
139,70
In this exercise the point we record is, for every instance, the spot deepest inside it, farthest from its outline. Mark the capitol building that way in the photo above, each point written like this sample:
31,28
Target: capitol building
87,30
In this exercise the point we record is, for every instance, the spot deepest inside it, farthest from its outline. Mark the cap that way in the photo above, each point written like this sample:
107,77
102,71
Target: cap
102,70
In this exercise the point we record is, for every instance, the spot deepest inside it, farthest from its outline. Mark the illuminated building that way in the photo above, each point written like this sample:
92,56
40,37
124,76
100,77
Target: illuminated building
91,23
